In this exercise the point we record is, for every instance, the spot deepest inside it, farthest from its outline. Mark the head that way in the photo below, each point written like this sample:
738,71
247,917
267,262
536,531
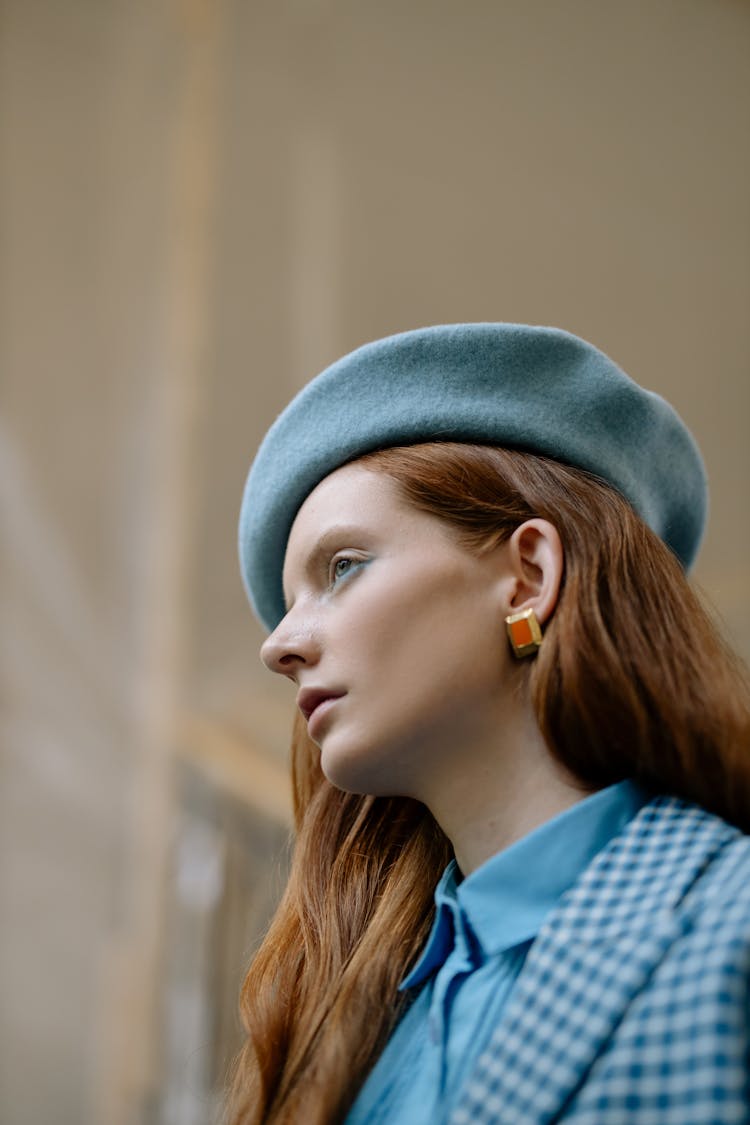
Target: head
394,634
560,415
422,551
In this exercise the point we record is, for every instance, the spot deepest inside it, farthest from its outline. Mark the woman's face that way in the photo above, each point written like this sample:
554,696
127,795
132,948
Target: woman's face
394,636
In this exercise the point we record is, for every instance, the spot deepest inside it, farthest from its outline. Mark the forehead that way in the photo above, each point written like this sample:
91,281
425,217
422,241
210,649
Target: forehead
349,494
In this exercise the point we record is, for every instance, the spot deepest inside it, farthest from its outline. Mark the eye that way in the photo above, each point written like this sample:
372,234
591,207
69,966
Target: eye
342,566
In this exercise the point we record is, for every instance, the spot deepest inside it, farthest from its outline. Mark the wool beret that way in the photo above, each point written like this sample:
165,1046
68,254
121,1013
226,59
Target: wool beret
537,389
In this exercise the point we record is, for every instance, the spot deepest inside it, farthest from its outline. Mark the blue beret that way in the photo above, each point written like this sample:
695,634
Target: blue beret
537,389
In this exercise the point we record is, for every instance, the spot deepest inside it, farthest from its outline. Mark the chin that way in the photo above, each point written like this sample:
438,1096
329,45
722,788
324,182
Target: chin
361,771
346,776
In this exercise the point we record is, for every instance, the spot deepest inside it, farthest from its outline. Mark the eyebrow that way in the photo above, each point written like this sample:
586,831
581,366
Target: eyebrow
336,532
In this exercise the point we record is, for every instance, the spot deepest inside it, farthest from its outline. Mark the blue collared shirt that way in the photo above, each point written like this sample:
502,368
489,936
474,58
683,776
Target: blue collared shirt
483,928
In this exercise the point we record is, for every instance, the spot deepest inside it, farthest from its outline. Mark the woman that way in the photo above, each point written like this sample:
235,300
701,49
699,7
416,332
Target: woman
520,887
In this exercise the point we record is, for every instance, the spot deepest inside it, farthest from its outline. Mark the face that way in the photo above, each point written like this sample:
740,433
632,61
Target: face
394,636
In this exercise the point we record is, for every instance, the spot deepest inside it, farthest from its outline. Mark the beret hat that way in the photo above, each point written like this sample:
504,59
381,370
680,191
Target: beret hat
537,389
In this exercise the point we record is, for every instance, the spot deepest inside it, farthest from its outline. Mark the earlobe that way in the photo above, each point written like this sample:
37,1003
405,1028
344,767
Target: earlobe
536,559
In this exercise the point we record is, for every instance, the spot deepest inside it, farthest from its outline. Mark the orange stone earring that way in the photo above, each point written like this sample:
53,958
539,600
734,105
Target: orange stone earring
524,633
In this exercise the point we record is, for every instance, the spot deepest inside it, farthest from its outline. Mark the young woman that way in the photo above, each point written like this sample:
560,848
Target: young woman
520,891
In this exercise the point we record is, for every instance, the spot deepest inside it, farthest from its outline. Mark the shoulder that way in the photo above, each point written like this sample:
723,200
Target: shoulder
673,860
716,853
706,863
687,1022
715,912
695,862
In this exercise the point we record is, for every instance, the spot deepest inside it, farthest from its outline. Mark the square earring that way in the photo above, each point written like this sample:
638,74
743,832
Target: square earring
524,633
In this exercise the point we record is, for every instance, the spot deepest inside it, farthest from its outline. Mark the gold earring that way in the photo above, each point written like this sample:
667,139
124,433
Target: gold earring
524,633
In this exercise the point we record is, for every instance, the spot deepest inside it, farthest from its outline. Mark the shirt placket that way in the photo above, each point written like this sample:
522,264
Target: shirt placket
457,965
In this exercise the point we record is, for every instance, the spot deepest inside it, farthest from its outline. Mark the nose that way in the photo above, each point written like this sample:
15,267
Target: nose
290,646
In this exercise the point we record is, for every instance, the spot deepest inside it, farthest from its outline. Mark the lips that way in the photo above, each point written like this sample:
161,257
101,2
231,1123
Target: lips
309,699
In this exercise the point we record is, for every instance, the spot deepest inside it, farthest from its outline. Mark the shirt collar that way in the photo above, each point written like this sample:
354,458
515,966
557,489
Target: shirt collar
504,902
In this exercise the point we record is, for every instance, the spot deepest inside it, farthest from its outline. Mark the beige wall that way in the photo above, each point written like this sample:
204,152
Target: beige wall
202,204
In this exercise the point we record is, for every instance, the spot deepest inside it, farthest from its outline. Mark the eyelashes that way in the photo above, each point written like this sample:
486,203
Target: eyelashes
325,573
342,568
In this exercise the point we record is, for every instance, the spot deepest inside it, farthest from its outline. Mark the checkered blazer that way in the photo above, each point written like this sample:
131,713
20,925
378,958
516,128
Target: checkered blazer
632,1006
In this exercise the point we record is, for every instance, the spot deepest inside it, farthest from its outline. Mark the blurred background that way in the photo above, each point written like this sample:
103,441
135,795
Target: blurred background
202,203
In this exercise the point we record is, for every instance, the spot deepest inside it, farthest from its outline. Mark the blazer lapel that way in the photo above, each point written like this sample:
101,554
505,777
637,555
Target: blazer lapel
596,950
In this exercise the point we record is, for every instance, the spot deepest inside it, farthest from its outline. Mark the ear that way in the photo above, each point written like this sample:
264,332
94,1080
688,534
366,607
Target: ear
536,558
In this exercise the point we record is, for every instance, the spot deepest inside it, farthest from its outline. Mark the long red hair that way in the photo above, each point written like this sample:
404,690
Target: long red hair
632,680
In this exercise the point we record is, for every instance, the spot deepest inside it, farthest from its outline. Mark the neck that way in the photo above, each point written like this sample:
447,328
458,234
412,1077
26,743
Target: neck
487,801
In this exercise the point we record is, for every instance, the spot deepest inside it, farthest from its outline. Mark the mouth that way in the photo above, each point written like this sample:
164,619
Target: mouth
310,700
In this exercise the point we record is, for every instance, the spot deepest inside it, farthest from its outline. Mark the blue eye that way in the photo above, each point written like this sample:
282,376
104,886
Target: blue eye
342,568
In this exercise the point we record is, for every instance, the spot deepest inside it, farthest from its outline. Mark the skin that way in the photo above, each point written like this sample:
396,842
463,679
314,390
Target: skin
393,616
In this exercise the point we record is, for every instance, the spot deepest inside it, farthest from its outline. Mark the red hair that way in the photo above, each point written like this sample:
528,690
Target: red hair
632,681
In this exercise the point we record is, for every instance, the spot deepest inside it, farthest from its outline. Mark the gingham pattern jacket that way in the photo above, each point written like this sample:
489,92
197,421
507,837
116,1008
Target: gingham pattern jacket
632,1007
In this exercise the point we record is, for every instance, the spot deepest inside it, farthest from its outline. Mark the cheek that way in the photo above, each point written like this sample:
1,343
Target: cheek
429,637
